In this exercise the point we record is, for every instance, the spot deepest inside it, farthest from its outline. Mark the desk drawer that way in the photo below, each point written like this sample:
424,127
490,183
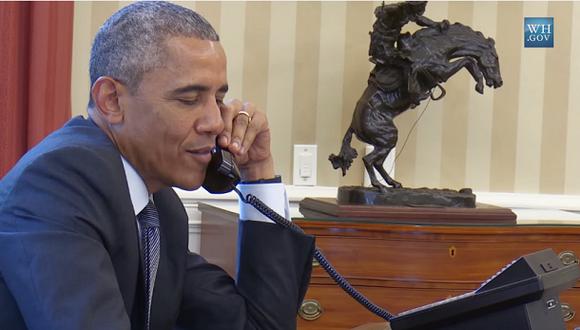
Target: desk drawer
340,311
430,257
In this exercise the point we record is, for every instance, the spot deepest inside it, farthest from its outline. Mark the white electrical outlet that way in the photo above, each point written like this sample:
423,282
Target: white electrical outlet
304,173
388,165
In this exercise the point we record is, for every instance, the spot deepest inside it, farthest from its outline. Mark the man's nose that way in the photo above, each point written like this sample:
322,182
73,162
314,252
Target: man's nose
211,122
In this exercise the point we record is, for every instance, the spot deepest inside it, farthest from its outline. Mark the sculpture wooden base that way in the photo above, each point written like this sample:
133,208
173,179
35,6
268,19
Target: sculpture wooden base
326,208
413,197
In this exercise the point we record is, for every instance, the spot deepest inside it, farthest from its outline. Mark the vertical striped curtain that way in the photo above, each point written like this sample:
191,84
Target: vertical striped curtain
35,74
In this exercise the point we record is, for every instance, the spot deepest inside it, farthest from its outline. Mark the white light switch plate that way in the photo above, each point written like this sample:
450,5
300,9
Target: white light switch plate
304,173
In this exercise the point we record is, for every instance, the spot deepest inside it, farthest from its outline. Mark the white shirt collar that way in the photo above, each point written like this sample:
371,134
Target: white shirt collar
137,188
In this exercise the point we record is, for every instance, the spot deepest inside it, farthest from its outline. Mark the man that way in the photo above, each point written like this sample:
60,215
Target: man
91,233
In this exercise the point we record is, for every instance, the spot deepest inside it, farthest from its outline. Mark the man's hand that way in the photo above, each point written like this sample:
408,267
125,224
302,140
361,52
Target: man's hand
247,136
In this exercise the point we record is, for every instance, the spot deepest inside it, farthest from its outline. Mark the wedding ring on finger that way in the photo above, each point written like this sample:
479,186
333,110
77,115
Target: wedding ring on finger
245,113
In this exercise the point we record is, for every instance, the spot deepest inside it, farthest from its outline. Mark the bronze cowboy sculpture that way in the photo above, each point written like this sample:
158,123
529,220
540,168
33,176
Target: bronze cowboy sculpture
408,68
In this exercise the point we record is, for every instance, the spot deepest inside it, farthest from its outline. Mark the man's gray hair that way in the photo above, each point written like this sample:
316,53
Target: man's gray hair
131,42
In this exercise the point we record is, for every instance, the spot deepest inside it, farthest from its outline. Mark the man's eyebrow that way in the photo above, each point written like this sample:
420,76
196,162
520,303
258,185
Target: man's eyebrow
188,89
196,88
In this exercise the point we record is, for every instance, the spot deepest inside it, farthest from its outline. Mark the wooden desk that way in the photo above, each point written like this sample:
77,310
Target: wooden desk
401,266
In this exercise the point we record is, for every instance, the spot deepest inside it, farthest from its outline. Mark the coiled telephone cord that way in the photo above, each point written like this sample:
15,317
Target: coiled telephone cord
334,274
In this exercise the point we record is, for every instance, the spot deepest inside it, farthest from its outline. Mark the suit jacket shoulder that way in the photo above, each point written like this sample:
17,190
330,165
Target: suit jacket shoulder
76,170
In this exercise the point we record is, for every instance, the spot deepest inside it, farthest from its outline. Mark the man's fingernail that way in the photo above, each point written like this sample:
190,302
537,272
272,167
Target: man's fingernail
235,145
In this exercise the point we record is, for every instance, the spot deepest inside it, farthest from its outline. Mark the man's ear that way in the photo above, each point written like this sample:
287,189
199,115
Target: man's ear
105,92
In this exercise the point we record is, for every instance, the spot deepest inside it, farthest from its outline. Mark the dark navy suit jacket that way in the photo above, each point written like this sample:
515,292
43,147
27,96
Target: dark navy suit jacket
70,258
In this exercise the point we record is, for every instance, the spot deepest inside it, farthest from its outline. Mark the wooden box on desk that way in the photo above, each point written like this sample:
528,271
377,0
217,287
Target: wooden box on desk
400,266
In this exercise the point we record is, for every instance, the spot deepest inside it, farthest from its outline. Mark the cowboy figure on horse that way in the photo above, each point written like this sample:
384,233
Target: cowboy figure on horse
408,67
386,40
387,28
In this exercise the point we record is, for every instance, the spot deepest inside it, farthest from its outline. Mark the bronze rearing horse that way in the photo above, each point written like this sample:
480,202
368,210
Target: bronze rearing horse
400,82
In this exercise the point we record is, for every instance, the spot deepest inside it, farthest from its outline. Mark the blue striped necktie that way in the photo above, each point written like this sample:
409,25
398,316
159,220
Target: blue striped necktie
150,243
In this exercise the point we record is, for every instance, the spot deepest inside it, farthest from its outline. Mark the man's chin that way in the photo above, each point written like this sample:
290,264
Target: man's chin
188,187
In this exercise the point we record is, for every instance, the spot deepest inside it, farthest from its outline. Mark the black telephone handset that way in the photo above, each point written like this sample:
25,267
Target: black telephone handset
222,176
